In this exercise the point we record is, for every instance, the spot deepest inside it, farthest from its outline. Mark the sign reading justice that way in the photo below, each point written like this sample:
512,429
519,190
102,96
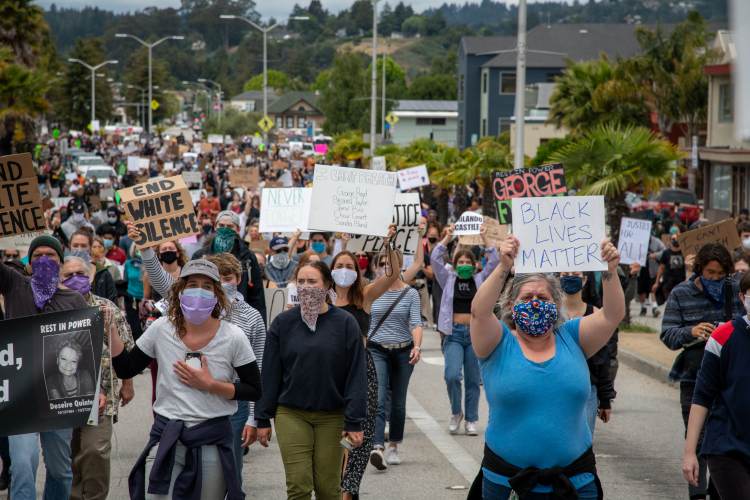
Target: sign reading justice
20,200
162,210
547,180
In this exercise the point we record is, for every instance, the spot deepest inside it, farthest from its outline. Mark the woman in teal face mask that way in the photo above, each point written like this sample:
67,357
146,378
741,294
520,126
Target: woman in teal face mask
459,287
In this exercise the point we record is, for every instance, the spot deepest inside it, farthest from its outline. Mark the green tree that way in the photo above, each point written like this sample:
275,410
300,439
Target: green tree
347,146
346,83
21,29
276,80
297,66
234,123
610,160
433,87
546,149
393,72
321,82
203,16
136,74
414,25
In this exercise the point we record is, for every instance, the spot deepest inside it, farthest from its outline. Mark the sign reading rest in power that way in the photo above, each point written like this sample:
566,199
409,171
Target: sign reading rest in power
547,180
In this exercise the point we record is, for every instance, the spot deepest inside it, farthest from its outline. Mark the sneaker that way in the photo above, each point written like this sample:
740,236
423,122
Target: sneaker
393,456
377,459
643,311
425,324
471,429
656,312
455,423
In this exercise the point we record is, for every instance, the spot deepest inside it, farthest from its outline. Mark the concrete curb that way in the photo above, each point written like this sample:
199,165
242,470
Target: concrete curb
643,364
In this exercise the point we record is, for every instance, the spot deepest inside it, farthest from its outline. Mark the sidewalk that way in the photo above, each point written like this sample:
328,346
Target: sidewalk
644,351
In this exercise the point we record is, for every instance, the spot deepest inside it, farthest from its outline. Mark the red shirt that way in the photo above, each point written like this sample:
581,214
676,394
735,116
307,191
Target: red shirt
117,255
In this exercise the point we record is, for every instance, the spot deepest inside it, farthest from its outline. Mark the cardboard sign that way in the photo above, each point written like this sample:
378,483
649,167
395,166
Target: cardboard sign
280,165
215,139
20,242
161,209
20,200
274,184
47,203
206,148
547,180
407,214
352,201
275,302
285,209
635,236
665,239
468,223
413,177
378,163
258,245
134,164
724,232
96,202
245,177
496,234
559,233
262,154
33,397
192,177
173,150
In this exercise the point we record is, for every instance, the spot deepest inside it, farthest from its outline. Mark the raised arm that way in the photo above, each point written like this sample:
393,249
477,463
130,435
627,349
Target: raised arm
373,291
9,279
161,280
595,330
413,269
293,243
493,258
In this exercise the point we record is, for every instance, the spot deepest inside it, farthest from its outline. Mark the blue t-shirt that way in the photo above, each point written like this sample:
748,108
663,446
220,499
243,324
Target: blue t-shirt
133,277
538,413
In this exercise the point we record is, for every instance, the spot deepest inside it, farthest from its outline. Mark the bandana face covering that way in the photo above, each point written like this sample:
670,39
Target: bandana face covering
44,280
714,289
79,283
310,300
363,262
231,291
197,309
224,240
280,260
534,317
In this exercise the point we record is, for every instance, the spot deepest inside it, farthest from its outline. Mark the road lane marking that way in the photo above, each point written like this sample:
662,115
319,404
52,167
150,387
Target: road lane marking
435,361
463,462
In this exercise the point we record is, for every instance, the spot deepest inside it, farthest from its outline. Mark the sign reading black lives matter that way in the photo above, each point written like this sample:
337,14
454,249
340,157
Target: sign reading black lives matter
162,210
40,358
20,200
547,180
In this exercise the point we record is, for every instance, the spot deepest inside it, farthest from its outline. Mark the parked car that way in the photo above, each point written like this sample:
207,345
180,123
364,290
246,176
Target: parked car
101,173
689,210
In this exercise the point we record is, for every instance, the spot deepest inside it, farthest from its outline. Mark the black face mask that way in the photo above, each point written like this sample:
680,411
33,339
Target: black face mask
432,240
675,244
168,257
207,229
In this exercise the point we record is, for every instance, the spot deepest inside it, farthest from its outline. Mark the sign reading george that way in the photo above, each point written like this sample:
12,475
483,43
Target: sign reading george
284,210
20,200
407,214
468,223
413,177
244,177
547,180
559,234
162,209
635,236
724,232
33,397
352,201
496,234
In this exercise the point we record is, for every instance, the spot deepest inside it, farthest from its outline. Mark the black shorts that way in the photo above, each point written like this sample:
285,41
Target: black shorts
645,281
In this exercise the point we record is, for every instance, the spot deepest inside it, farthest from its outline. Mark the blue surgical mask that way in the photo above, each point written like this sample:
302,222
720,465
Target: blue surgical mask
198,292
484,261
108,243
112,220
571,285
318,247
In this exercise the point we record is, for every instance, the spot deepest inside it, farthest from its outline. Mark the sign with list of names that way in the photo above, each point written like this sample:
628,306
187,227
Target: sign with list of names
407,214
20,200
635,236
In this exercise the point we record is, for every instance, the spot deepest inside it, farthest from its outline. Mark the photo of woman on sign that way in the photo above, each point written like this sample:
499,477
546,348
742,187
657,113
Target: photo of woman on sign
67,381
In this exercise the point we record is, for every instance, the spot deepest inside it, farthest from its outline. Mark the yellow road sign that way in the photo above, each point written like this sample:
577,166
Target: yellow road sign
154,105
391,118
265,124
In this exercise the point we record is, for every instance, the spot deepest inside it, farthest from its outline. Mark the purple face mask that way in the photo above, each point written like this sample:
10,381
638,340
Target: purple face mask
44,280
79,283
197,309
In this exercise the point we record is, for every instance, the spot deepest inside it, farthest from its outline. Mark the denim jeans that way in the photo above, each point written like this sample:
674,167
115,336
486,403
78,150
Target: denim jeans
592,408
399,383
24,454
459,353
493,491
239,419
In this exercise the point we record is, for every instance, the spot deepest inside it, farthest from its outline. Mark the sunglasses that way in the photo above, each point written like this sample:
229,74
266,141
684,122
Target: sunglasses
382,264
360,256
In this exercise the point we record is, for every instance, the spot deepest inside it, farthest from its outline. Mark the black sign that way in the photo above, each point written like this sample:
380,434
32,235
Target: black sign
547,180
49,371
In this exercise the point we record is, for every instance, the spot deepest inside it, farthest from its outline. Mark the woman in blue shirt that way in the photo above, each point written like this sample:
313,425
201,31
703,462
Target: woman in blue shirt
533,364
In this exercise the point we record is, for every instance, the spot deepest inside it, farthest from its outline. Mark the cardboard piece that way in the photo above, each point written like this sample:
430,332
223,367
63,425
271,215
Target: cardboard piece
559,233
47,203
206,148
184,148
413,177
96,202
496,234
546,180
258,245
635,236
285,209
274,184
665,239
161,209
173,150
20,200
262,154
280,165
407,214
468,223
244,177
724,232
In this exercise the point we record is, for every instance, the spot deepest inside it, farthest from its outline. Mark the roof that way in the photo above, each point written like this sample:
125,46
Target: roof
255,95
289,99
418,105
478,44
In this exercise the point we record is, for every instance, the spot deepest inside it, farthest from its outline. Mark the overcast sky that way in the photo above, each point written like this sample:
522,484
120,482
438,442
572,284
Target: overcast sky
277,8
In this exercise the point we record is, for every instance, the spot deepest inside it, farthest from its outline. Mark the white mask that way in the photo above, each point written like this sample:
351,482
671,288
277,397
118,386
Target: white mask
344,277
746,243
78,217
747,303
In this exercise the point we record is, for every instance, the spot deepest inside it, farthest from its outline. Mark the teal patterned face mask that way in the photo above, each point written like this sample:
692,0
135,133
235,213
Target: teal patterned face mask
224,240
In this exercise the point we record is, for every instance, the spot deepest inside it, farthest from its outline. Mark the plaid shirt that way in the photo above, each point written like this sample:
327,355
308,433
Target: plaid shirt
110,386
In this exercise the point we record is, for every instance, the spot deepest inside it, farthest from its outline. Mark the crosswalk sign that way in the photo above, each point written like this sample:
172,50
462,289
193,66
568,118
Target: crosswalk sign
154,105
265,124
391,118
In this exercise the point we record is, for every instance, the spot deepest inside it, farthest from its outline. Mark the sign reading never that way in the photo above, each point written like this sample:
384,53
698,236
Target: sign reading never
20,200
161,209
547,180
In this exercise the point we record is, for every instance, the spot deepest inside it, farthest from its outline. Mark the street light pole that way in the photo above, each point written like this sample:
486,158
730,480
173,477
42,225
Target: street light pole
382,124
518,158
202,80
143,110
373,102
208,92
150,46
93,84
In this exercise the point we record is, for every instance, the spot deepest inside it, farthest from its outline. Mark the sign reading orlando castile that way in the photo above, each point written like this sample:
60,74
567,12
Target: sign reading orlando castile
50,368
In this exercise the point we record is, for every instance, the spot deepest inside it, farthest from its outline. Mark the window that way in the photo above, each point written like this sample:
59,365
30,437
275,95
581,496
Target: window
430,121
484,127
503,125
484,83
461,89
721,185
438,121
507,83
301,108
289,122
250,106
301,122
725,103
551,77
460,133
279,122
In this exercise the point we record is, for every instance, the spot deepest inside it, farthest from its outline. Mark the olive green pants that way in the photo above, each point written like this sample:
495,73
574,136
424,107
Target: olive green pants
313,458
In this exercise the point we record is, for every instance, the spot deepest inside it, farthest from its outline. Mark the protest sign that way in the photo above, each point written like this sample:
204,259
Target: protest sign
352,201
547,180
71,176
206,148
280,165
275,302
559,234
286,179
20,242
215,139
321,149
468,223
413,177
285,209
261,245
161,209
665,240
724,232
173,150
496,234
274,184
262,154
635,235
61,201
248,158
47,203
191,177
245,177
96,202
407,214
168,165
236,162
106,193
298,164
195,195
378,163
32,395
20,200
144,163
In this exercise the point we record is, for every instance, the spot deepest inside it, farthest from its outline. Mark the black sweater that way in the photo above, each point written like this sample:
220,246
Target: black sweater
322,370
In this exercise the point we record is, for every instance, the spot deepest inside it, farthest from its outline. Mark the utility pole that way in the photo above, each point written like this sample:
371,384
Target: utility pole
518,159
373,101
382,118
203,80
93,84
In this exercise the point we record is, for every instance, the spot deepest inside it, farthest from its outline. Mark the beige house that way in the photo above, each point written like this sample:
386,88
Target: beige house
725,160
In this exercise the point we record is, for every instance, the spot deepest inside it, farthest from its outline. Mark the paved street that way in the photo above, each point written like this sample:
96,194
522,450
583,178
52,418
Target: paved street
638,452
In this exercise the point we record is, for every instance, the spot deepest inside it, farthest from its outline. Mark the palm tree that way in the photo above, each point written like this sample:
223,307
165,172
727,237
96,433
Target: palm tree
420,152
21,27
444,162
490,155
610,160
347,147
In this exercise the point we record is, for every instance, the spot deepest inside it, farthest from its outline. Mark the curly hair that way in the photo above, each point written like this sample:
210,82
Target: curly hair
713,252
356,294
70,344
513,288
175,315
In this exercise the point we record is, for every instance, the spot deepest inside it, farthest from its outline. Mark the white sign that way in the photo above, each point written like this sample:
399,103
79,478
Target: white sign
61,202
134,164
559,233
95,126
635,236
168,165
71,176
248,158
195,194
237,162
191,177
284,209
105,193
352,201
145,163
276,299
407,214
216,138
468,223
286,179
20,242
413,177
378,163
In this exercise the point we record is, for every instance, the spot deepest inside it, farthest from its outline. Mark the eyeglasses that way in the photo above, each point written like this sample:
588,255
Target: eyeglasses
382,264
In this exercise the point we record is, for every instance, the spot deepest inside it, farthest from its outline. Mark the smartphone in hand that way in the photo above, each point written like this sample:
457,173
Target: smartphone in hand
193,359
347,443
